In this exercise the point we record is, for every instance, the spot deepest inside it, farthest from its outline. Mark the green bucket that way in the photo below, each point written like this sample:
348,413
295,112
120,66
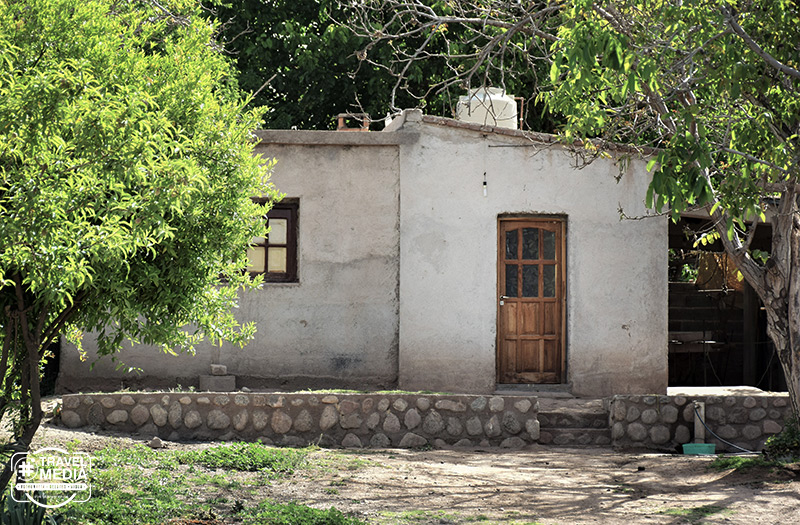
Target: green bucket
699,448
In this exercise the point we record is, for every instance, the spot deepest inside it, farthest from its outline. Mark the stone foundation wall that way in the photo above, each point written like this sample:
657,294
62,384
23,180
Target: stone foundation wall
298,419
665,422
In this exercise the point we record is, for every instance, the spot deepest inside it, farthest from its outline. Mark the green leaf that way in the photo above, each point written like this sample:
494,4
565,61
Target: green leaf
554,71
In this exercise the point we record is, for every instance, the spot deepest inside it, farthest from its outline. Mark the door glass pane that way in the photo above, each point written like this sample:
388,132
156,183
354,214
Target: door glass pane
255,259
511,280
530,280
276,260
549,242
512,239
258,240
530,243
549,278
277,231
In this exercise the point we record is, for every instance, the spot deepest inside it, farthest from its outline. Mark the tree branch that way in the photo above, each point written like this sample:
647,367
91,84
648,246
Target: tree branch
750,235
21,309
753,45
752,158
55,327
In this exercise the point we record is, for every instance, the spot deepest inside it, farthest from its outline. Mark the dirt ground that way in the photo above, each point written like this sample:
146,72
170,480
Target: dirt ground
538,484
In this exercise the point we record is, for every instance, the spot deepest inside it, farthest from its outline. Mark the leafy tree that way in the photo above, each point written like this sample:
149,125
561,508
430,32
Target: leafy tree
301,62
713,85
126,171
295,61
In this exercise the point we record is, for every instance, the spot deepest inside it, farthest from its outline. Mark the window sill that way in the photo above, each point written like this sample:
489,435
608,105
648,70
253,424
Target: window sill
273,284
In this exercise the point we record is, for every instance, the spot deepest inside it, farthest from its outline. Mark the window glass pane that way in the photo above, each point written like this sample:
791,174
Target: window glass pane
258,240
530,243
255,258
549,245
530,280
512,240
276,260
549,279
277,231
511,280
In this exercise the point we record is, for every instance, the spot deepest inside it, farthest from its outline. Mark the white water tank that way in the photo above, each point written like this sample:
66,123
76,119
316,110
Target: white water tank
488,106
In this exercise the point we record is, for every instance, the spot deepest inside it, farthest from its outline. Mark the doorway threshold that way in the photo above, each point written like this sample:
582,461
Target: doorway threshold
563,390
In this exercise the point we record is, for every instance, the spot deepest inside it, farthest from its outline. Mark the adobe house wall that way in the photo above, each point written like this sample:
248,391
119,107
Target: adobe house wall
398,267
616,269
338,326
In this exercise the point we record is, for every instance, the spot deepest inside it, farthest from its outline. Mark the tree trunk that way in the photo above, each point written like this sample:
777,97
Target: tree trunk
24,339
790,355
780,293
777,285
787,345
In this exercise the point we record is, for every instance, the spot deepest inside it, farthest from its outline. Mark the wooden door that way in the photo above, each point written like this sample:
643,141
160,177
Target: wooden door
531,293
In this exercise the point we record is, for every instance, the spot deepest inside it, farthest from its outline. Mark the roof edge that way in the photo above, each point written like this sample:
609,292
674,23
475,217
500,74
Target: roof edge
537,137
332,138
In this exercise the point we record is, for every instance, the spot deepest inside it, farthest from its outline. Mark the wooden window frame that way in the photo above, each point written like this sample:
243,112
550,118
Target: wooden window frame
286,209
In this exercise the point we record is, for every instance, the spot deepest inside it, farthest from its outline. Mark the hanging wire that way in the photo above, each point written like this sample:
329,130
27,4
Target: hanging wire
696,413
769,364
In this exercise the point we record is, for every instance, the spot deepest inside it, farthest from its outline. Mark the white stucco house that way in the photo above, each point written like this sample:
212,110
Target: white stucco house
446,256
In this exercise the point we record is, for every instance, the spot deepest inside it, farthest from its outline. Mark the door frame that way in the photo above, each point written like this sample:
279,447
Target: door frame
521,217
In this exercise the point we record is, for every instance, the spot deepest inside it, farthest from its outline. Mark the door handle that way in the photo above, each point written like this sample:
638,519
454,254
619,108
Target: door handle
503,299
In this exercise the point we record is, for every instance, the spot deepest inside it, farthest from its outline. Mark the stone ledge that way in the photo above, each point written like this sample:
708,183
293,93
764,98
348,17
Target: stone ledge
298,419
666,422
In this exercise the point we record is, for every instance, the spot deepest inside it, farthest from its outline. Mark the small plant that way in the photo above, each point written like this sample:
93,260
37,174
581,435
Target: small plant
785,445
24,512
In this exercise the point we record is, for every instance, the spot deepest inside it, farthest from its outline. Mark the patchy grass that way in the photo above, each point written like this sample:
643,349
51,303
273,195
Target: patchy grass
696,514
272,513
742,463
421,516
136,485
249,457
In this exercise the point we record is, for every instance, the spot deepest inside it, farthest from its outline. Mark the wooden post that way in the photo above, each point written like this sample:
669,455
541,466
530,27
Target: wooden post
751,306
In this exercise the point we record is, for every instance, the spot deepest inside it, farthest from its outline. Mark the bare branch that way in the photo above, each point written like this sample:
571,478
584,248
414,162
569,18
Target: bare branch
265,84
179,19
488,36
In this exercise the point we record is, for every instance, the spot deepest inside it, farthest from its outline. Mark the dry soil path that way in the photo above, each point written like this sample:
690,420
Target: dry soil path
535,485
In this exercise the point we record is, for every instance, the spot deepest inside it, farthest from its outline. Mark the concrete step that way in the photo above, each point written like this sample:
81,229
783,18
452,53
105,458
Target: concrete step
573,422
575,437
